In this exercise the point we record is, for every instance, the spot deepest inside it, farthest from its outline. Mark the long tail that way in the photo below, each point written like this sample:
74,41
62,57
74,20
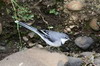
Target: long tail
31,28
27,26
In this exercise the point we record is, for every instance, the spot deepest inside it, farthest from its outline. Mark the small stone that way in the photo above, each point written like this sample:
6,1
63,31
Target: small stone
72,26
74,5
84,42
65,31
25,38
72,61
31,44
70,22
39,46
31,34
87,54
68,29
94,25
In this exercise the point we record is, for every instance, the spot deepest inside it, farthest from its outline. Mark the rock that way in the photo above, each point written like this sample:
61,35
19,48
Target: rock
87,54
94,25
30,44
84,42
31,34
39,46
71,26
68,29
97,61
88,57
25,38
34,57
72,61
75,5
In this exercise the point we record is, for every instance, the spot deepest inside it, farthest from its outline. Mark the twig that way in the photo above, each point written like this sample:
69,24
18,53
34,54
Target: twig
43,19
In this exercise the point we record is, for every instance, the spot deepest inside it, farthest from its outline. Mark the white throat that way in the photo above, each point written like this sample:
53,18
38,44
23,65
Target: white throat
63,40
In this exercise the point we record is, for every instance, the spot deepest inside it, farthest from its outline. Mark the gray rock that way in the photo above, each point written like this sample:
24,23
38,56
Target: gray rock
97,61
84,42
34,57
87,54
72,61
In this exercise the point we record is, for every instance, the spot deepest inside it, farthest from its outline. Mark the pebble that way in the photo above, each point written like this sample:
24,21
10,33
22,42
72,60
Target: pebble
25,38
71,26
30,44
39,46
87,54
84,42
75,5
31,34
68,29
94,25
73,61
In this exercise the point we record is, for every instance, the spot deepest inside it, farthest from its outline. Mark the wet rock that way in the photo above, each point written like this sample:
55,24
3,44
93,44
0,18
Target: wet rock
34,57
72,61
84,42
75,5
94,24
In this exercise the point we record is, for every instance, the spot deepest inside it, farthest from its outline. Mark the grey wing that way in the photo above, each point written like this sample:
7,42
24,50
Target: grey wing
46,34
54,35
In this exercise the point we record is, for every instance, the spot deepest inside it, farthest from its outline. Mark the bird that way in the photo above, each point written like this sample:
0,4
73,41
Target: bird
51,38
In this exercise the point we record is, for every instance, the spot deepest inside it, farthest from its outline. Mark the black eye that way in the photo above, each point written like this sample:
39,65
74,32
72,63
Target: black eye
65,37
